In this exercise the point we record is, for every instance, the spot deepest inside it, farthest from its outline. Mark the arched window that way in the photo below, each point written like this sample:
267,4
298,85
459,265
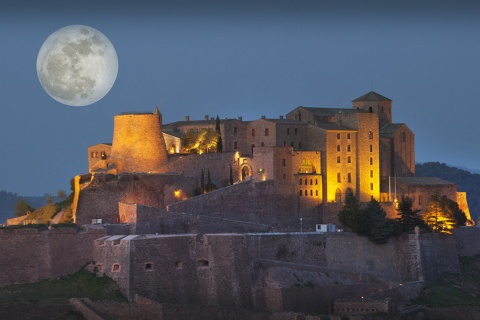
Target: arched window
348,192
300,193
266,132
338,195
311,192
311,181
370,135
370,109
316,193
300,182
316,181
306,167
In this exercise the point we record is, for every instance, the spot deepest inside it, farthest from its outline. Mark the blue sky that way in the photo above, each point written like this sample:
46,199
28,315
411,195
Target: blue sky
240,58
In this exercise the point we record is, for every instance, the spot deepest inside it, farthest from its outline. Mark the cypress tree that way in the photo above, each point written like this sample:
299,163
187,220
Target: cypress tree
231,175
202,182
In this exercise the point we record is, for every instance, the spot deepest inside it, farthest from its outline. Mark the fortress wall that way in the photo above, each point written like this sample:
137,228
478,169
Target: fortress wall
192,165
438,255
212,270
99,200
467,241
250,201
30,255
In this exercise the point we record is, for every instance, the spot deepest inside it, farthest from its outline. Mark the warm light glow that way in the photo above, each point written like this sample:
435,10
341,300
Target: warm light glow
177,193
237,155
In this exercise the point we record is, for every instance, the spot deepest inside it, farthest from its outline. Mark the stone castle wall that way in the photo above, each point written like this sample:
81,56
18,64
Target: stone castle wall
99,198
277,271
30,255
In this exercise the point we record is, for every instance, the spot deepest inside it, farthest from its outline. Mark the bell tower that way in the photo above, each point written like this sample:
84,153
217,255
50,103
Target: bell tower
375,103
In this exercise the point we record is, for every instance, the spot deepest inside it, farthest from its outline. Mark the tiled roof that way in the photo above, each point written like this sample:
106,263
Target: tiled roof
422,181
371,96
333,126
388,130
284,121
326,112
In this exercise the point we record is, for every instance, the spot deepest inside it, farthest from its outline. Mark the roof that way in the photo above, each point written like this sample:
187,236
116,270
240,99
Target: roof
388,130
98,144
327,112
283,121
423,181
372,96
173,134
198,123
333,126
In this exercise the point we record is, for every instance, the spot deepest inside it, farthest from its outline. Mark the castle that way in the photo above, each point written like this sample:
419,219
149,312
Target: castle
252,242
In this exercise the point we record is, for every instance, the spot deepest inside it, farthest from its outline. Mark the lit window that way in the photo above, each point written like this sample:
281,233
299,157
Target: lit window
338,147
371,186
371,161
306,167
371,173
339,177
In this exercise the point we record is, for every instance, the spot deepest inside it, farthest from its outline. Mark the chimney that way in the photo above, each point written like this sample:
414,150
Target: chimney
263,117
239,118
187,118
206,117
281,117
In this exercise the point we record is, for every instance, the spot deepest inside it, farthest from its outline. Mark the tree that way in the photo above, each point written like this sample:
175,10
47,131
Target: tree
352,215
443,214
409,218
202,182
378,227
231,175
219,139
61,194
22,208
200,141
49,199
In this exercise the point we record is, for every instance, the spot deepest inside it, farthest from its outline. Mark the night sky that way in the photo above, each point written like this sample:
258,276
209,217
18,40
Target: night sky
240,58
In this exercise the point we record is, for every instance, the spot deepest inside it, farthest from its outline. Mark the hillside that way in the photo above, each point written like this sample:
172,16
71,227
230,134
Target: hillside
8,201
466,181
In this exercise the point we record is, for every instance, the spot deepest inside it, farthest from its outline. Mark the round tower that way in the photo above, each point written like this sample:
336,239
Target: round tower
138,144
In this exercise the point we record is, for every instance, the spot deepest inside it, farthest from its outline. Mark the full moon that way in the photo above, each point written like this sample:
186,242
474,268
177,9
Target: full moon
77,65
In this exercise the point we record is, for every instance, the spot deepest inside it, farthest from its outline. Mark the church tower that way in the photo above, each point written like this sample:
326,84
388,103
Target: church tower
375,103
138,144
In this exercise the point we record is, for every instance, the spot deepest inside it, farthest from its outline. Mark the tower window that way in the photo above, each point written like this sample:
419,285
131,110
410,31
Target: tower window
349,159
235,130
296,130
284,162
266,132
349,177
338,159
348,148
253,132
338,135
370,135
371,161
371,186
348,136
300,193
338,147
371,173
339,177
371,148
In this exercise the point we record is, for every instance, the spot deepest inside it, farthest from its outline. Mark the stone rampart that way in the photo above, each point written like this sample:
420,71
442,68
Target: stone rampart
467,241
438,255
30,255
99,198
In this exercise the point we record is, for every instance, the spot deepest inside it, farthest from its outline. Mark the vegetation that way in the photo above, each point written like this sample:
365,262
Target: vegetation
201,141
467,182
443,214
80,284
455,289
22,208
409,218
45,213
370,221
217,130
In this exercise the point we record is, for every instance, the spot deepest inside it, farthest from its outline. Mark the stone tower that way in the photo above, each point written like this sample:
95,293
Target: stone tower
376,103
138,144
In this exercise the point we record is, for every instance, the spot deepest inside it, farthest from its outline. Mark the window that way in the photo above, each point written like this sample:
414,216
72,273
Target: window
338,195
284,144
348,148
306,181
306,167
93,155
300,193
371,186
284,162
300,182
338,147
262,144
288,131
316,181
371,173
338,159
234,130
370,109
149,266
292,144
235,146
371,148
202,263
370,135
311,193
339,177
349,159
371,161
253,132
266,132
295,131
300,145
311,181
348,136
404,138
178,265
306,193
316,193
284,176
338,135
103,155
349,177
115,267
